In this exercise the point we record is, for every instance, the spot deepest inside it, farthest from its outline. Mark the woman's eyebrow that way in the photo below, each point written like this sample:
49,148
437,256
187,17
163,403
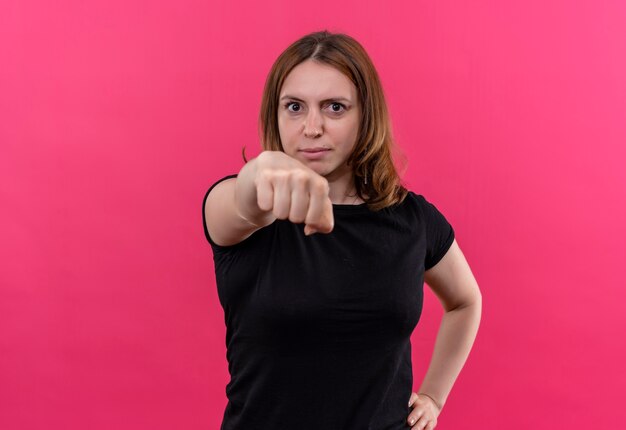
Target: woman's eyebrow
325,100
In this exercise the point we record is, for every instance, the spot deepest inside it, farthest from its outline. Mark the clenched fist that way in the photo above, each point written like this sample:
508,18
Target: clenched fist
293,191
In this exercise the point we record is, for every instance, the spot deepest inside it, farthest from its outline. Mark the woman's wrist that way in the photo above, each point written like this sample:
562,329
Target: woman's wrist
431,398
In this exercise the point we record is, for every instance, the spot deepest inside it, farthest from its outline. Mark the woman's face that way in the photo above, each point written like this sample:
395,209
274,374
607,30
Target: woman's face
318,118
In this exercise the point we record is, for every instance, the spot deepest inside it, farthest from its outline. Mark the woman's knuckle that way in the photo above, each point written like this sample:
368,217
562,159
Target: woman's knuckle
297,214
299,178
321,187
263,175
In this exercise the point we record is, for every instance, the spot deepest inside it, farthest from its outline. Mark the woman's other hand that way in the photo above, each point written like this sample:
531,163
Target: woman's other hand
424,414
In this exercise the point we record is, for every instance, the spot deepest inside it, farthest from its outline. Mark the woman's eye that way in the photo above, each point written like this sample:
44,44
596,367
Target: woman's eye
339,105
293,103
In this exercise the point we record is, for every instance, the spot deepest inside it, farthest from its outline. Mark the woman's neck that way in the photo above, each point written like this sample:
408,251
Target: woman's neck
343,192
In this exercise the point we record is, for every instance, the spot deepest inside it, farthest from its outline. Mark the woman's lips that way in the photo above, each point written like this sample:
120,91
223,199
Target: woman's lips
314,153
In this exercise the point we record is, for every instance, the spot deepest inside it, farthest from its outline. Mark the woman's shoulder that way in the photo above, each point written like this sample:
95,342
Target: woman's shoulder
415,204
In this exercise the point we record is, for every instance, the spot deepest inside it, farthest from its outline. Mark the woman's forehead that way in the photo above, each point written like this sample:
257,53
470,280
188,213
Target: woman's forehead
311,81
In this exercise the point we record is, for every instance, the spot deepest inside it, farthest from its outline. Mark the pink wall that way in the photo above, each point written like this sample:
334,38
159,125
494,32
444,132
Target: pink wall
116,116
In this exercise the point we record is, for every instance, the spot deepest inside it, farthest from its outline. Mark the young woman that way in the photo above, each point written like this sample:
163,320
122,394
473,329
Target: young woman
321,256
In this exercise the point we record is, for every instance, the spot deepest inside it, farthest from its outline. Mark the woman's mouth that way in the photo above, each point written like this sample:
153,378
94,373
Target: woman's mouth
314,153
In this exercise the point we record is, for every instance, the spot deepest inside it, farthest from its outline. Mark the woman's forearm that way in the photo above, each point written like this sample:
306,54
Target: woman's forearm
452,347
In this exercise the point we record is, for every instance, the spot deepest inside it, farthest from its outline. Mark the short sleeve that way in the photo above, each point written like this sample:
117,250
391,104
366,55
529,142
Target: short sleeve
214,245
439,234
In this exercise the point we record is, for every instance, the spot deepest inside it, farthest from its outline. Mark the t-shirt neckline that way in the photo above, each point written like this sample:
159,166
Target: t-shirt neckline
350,208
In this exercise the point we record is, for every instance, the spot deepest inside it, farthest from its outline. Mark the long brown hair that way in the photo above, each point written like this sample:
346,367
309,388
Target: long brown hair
372,159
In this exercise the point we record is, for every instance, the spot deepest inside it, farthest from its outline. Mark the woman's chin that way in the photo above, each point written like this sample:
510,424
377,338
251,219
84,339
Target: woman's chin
317,168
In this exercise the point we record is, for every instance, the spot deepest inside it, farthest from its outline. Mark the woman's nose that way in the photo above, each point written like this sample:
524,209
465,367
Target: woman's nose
313,125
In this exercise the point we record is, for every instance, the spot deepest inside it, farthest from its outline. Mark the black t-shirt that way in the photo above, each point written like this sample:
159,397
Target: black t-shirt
318,327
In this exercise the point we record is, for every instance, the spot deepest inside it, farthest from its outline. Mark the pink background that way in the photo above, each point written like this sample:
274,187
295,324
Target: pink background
116,116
